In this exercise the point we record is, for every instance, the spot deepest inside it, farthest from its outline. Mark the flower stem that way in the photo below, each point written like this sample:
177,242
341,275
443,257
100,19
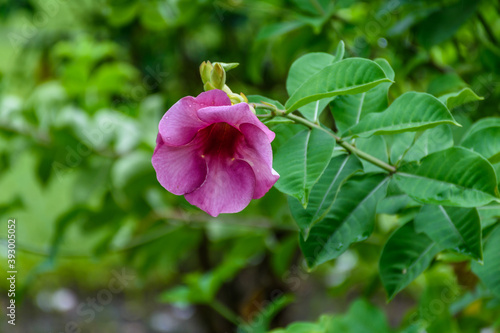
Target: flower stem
350,148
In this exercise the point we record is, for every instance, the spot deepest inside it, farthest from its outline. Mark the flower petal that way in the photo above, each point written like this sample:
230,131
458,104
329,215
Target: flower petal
213,97
234,115
179,169
180,123
256,151
229,187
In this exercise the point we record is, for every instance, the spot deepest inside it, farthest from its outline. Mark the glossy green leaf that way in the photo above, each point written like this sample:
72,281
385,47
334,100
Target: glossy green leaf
350,219
489,273
428,142
454,228
457,99
301,161
489,214
377,146
484,138
348,110
404,257
323,194
410,112
301,70
452,177
349,76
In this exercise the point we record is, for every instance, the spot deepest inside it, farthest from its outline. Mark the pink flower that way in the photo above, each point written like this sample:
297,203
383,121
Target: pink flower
216,154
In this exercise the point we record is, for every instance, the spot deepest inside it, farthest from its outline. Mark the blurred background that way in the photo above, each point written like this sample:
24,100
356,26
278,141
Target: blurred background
102,247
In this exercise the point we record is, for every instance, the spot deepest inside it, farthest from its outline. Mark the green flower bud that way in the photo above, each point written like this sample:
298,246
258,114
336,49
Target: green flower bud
205,71
208,86
218,77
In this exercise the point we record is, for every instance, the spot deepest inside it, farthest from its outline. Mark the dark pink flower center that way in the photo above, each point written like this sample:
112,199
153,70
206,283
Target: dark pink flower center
220,139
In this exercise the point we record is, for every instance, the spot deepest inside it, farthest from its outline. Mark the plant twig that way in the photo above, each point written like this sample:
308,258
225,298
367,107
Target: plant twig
350,148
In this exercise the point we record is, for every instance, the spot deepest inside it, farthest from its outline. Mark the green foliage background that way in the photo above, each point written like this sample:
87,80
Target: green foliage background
82,88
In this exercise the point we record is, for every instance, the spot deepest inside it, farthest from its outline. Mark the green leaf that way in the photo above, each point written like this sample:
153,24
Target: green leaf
484,138
404,257
410,112
349,76
363,317
448,83
301,161
301,70
316,7
305,67
377,146
350,219
452,228
460,98
348,110
489,273
452,177
278,29
489,214
428,142
323,194
442,25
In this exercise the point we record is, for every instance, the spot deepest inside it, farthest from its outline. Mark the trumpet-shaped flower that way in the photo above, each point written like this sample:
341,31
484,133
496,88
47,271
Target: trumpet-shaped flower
216,154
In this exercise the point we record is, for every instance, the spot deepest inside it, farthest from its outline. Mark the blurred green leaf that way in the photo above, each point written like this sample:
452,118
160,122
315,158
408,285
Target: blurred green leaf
464,96
442,24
